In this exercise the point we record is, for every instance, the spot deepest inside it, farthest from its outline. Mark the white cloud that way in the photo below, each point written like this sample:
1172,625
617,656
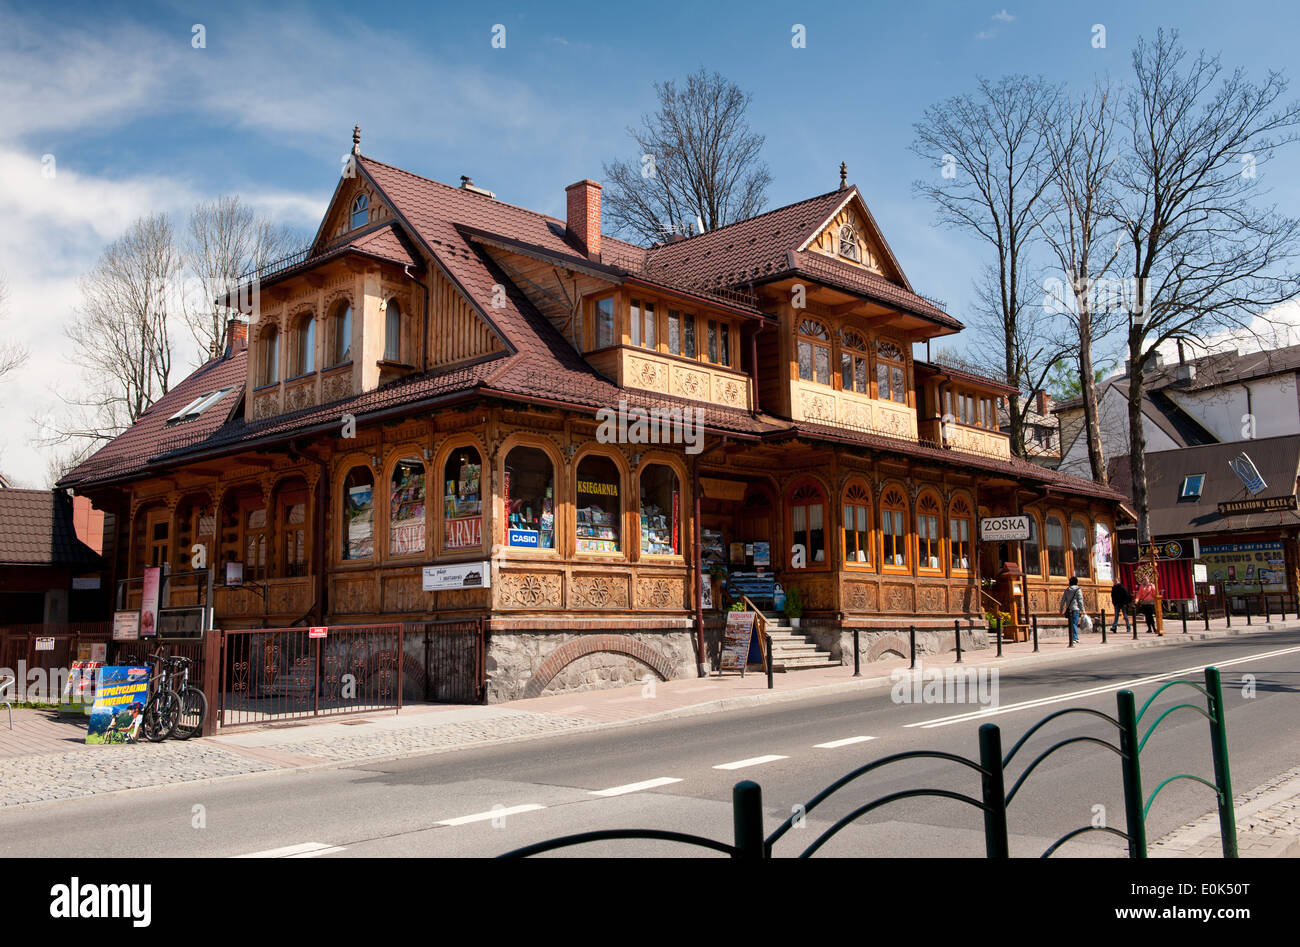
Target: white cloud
1003,15
986,34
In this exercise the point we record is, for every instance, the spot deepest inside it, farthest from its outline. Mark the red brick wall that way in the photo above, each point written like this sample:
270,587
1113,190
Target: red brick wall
583,217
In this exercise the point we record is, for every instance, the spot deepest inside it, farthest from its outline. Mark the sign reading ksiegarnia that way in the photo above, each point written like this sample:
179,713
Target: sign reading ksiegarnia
999,529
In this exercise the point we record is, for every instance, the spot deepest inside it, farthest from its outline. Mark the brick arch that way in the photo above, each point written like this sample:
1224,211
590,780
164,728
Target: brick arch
408,665
571,651
885,644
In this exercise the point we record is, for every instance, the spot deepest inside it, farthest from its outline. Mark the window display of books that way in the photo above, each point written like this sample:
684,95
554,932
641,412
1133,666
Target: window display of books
656,536
461,497
596,530
711,547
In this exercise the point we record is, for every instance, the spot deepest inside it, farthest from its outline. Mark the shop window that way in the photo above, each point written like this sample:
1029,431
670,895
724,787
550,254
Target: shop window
857,525
304,347
890,382
360,211
1080,548
269,364
1033,551
462,500
357,527
406,508
959,531
1055,546
808,521
893,529
341,333
392,331
814,350
529,491
255,545
853,362
643,323
929,541
598,502
661,511
603,322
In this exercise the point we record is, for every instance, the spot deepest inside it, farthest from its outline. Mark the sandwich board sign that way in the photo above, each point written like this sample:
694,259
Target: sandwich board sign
737,639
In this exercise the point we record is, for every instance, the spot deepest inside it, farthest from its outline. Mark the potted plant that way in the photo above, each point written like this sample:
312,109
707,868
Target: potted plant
991,620
793,606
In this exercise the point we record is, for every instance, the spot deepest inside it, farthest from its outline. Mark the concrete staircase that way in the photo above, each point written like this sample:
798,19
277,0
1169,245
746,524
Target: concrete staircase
791,651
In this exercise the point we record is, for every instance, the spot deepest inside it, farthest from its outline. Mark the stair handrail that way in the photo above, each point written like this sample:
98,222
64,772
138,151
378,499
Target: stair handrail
762,629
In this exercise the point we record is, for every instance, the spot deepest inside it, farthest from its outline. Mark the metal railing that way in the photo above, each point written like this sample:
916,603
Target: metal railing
993,799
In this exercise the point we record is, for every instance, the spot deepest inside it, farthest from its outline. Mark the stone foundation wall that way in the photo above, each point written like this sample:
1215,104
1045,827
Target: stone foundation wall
875,645
529,663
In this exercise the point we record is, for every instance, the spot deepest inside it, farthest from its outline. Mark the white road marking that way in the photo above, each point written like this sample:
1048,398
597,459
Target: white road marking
494,814
834,744
636,787
1092,691
303,850
752,761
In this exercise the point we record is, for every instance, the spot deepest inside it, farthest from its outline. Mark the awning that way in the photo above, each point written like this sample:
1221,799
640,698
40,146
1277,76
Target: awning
1173,578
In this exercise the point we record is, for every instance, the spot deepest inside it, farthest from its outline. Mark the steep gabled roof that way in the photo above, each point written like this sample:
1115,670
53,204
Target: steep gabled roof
38,530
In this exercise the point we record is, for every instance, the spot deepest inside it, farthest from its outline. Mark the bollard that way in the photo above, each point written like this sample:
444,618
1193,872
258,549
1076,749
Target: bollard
857,660
956,627
1069,636
1184,609
1035,621
1205,612
999,632
747,819
911,634
1135,623
996,842
1103,626
1246,599
1267,616
768,641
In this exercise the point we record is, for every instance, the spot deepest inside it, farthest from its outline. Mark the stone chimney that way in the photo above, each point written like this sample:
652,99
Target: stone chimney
583,219
236,335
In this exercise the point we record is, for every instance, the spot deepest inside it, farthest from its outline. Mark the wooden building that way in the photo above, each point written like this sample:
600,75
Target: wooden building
446,379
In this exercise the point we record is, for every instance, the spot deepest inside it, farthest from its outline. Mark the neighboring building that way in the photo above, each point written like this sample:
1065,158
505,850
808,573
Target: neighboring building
50,561
429,383
1219,398
1247,543
1042,430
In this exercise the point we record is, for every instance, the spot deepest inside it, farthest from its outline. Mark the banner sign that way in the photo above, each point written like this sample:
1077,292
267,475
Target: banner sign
79,690
126,626
120,696
1179,547
1246,567
1101,553
998,529
466,575
1265,505
149,601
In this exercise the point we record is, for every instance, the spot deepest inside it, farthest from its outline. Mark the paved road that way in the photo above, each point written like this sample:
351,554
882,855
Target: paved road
678,774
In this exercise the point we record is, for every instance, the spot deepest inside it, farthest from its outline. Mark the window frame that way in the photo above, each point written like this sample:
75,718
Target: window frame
821,496
394,344
1087,572
268,359
903,544
400,455
934,543
620,468
966,516
855,353
1185,494
814,344
848,504
1036,537
668,463
360,205
340,317
559,498
888,363
485,498
304,345
1065,565
594,310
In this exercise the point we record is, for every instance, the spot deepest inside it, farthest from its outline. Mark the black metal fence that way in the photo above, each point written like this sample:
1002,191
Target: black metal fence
453,659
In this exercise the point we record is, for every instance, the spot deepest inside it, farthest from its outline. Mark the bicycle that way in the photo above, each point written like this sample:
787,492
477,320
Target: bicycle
194,703
162,712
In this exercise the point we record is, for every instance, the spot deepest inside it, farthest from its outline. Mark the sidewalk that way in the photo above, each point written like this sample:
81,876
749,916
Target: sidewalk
44,759
1268,825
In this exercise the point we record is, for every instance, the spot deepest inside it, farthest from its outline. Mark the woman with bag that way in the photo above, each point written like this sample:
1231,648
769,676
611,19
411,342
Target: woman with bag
1146,601
1072,607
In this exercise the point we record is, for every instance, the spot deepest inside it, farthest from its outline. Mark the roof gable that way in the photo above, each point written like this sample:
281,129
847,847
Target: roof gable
862,245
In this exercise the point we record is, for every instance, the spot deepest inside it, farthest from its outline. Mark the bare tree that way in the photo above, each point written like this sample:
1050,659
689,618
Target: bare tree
12,354
1079,227
989,149
121,334
698,159
1203,253
224,241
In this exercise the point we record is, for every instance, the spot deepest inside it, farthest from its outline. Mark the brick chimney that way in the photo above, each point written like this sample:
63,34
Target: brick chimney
236,335
1044,405
583,218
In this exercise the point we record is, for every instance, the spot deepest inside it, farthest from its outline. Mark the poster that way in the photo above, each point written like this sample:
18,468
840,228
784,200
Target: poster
79,690
1101,554
1246,567
149,601
466,575
406,503
120,696
126,626
359,541
762,554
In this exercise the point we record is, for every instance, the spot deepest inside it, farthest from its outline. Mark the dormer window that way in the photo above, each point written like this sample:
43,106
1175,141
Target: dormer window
849,243
360,211
197,406
814,352
1192,485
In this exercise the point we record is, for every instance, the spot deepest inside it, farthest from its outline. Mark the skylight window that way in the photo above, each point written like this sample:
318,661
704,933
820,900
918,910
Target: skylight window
197,406
1192,485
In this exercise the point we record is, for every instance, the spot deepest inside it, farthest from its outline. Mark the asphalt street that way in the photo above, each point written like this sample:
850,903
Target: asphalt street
678,774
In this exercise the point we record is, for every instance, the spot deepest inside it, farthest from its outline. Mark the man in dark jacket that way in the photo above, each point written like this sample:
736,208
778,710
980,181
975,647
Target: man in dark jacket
1122,599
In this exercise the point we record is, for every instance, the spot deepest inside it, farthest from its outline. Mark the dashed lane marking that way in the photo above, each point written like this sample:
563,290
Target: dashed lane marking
636,787
752,761
302,850
835,744
500,813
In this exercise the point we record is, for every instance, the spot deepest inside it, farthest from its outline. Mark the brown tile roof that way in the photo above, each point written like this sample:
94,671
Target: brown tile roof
37,529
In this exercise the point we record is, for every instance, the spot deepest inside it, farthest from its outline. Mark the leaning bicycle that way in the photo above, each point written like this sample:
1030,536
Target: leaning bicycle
194,703
162,710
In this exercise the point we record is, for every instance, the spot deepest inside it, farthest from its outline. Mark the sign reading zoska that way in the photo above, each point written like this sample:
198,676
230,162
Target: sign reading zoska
998,529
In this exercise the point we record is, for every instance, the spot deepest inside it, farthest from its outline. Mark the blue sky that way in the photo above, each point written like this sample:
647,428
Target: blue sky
138,120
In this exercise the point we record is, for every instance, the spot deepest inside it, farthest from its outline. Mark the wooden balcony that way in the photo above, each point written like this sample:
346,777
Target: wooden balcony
684,378
963,437
825,405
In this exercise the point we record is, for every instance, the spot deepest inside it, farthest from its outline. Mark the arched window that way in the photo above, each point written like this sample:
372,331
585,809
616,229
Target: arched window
857,525
304,346
341,333
929,541
356,529
1055,546
661,511
256,554
893,529
599,505
1033,551
959,531
462,500
849,243
1080,548
269,363
291,526
529,491
392,331
814,352
360,211
890,382
808,521
853,362
406,508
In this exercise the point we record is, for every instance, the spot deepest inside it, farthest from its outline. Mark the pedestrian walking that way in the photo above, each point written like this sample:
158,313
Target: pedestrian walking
1072,606
1146,601
1122,599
